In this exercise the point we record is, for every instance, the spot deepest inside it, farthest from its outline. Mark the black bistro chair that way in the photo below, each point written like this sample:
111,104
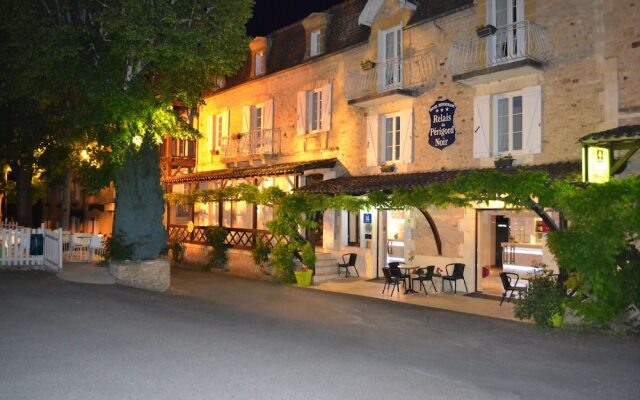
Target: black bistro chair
426,274
510,284
393,277
454,276
396,272
348,260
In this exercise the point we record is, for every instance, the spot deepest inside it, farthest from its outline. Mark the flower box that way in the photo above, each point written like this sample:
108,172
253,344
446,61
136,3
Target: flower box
485,30
367,65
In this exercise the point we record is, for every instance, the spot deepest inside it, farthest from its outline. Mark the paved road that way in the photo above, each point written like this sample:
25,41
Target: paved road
253,340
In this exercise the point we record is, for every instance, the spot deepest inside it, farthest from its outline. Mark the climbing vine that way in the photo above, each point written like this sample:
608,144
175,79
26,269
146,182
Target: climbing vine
598,249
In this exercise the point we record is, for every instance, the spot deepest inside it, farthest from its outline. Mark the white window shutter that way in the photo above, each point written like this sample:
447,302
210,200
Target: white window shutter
326,107
481,126
373,140
267,118
406,136
211,134
225,129
531,119
246,118
302,113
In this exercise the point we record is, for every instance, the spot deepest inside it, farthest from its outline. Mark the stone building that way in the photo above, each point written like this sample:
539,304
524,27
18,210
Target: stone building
384,94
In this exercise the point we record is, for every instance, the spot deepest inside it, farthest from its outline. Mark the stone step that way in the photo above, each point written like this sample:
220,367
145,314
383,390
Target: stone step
326,268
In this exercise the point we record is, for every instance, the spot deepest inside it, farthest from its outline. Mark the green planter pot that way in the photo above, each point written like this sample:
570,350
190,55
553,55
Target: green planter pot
304,277
556,320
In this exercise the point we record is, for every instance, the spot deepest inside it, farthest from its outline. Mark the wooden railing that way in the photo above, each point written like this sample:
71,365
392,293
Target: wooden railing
238,238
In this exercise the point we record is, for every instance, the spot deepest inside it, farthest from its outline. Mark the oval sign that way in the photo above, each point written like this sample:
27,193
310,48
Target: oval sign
190,227
442,132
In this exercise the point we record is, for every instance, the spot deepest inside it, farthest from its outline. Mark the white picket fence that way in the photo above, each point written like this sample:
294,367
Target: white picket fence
15,247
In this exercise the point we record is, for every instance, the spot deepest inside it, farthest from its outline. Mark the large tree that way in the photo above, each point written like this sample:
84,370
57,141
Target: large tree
112,70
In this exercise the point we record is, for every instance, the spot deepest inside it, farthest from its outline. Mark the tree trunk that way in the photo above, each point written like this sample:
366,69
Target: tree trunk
140,203
65,208
24,173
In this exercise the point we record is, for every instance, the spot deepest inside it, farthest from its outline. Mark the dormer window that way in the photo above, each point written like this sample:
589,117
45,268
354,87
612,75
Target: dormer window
314,44
258,47
315,28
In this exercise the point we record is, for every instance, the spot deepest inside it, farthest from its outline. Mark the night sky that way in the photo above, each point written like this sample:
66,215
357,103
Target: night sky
269,15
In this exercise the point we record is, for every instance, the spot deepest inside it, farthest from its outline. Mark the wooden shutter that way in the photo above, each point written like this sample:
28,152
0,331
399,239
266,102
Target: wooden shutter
373,139
406,136
302,113
481,126
211,134
225,128
246,118
267,115
326,108
531,120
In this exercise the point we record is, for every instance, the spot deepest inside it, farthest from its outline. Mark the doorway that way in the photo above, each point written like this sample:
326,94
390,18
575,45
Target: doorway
315,236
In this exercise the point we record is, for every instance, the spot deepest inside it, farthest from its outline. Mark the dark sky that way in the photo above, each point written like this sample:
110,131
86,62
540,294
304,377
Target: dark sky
269,15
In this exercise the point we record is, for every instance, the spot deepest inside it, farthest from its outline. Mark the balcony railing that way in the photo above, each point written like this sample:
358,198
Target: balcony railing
402,73
523,40
256,142
178,148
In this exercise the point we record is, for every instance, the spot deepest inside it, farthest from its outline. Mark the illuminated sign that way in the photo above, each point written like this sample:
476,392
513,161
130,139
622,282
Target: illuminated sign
598,164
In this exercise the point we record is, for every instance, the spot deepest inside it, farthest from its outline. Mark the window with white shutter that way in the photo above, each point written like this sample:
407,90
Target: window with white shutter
508,123
314,110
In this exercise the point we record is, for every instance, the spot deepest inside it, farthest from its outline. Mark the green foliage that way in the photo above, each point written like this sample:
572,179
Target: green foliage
260,255
117,248
216,236
598,247
177,250
541,301
282,261
308,255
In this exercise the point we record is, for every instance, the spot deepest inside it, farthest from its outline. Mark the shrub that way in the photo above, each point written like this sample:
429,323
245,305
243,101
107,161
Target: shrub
177,250
117,248
215,239
541,301
308,255
283,263
260,254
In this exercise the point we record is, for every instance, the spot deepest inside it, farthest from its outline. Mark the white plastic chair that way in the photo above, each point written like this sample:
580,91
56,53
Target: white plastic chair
78,247
95,246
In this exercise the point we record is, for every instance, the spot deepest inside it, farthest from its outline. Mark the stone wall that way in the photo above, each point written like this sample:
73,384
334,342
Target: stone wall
151,275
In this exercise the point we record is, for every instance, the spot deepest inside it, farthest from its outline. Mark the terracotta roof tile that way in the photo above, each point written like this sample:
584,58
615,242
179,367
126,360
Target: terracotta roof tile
292,168
358,185
620,134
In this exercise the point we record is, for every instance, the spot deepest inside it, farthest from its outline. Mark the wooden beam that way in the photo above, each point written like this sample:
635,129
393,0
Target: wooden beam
434,229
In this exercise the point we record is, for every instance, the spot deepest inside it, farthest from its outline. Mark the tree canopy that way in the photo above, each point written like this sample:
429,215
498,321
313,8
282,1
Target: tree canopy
109,73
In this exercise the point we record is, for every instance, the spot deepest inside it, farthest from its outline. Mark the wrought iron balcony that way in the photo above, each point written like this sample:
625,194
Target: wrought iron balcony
520,44
392,75
256,142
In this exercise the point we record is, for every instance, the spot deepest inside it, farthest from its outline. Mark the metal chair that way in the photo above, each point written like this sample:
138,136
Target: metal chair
348,260
458,273
507,278
392,277
426,274
394,268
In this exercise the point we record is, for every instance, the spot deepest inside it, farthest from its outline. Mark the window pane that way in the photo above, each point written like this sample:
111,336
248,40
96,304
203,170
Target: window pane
397,138
517,123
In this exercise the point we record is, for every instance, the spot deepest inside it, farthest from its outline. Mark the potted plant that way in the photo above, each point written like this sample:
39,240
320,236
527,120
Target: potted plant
178,250
305,272
387,167
485,30
542,301
503,161
367,64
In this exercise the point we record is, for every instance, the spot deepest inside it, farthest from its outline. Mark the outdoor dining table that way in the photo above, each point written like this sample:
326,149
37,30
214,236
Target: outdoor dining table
407,271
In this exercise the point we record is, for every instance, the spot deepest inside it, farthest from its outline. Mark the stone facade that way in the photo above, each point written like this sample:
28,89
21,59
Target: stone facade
587,82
